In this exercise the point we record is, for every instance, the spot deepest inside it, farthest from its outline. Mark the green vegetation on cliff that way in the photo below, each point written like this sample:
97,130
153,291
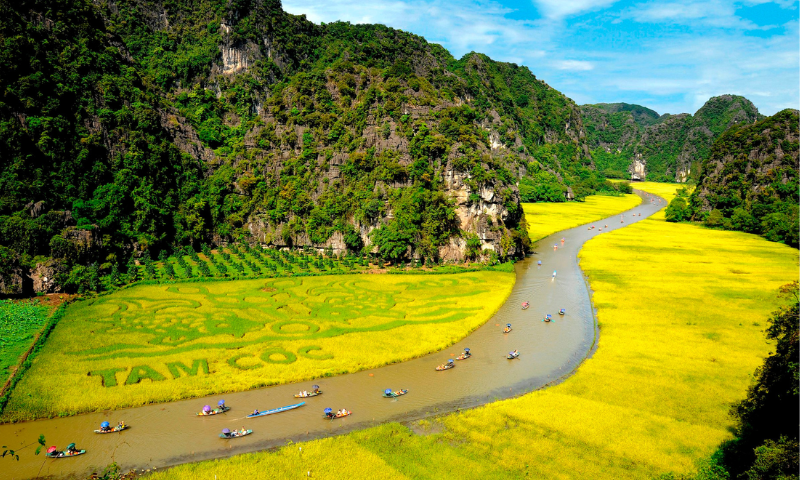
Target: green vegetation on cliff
150,124
750,181
668,148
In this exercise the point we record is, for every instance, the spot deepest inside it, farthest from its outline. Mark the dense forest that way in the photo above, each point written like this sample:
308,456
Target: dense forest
631,141
749,182
136,126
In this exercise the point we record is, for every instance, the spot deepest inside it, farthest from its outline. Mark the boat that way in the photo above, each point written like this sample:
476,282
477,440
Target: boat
310,394
276,410
330,415
465,355
388,393
53,452
447,366
227,435
525,305
512,355
117,428
214,411
562,311
507,329
313,393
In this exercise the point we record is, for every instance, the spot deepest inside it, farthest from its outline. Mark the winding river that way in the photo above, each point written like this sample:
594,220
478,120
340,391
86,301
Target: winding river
167,434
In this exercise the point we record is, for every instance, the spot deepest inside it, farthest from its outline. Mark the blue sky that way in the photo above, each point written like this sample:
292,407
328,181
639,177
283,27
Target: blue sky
670,55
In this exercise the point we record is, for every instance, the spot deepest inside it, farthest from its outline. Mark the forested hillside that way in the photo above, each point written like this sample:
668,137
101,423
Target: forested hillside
133,126
750,180
630,141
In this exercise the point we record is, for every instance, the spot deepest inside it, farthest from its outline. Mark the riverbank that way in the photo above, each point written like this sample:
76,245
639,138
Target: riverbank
681,310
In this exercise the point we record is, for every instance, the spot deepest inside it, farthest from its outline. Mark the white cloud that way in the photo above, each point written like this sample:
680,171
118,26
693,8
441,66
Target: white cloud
564,8
645,61
574,65
709,13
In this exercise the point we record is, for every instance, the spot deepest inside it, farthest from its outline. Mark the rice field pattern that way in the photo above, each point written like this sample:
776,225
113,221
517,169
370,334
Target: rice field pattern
163,342
283,309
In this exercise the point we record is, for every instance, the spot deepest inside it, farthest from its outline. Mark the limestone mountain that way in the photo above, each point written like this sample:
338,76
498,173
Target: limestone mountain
630,141
140,125
749,181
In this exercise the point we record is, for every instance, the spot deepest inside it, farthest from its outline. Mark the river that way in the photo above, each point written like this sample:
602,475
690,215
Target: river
167,434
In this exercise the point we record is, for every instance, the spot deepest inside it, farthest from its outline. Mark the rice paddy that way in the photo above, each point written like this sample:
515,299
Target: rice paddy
156,343
681,311
547,218
19,324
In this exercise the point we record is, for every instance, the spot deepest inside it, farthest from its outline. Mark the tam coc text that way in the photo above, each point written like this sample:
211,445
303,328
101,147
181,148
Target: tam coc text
110,377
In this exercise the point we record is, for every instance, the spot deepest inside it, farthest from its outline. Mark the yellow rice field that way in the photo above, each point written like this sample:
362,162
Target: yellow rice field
547,218
682,311
155,343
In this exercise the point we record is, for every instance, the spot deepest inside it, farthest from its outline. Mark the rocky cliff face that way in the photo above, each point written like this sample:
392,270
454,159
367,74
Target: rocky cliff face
750,163
661,148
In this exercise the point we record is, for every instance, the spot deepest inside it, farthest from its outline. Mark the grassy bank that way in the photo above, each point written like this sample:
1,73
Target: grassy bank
153,343
547,218
681,310
19,324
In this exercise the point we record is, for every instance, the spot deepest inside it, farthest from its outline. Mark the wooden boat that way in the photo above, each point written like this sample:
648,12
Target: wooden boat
547,318
562,311
215,411
52,452
346,413
116,429
507,329
446,366
395,394
525,306
276,410
512,355
310,394
235,434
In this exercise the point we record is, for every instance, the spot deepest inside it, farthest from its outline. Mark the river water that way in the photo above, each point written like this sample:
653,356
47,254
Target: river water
168,434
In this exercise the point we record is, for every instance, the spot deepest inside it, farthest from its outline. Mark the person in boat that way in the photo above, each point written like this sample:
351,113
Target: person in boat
255,412
244,431
121,424
515,353
105,427
227,433
71,450
316,389
221,405
554,274
338,413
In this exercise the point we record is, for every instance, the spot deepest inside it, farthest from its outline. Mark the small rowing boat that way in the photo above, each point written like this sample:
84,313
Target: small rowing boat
313,393
309,394
53,452
215,411
388,393
275,410
507,329
234,434
562,311
446,366
512,355
116,429
331,416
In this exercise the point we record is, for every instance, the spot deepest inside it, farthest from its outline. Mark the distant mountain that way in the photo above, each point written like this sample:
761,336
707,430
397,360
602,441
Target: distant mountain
135,126
749,181
631,141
